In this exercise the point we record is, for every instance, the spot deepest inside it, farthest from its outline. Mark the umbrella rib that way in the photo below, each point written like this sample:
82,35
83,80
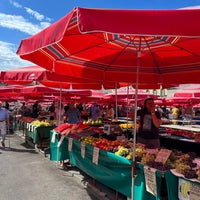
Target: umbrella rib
120,53
190,52
153,56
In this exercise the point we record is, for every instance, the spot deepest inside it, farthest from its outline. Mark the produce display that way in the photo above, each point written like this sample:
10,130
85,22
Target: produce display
42,123
98,122
128,126
184,164
77,130
181,133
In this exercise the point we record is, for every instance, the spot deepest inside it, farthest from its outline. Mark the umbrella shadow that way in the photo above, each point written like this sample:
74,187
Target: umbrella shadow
23,150
27,149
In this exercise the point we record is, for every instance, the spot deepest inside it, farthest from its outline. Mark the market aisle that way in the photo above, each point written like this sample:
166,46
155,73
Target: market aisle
28,175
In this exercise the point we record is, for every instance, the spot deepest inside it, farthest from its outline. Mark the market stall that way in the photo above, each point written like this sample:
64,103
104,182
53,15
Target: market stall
112,170
182,137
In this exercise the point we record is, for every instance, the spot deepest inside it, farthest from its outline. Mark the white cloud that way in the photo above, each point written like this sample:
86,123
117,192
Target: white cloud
15,4
9,59
190,7
30,11
21,24
37,15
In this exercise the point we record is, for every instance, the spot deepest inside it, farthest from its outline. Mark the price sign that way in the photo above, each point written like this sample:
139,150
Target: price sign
150,180
184,189
70,142
83,149
95,157
163,155
194,191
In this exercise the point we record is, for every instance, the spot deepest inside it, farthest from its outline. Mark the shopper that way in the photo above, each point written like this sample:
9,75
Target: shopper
36,109
150,122
24,110
110,112
4,116
73,115
51,111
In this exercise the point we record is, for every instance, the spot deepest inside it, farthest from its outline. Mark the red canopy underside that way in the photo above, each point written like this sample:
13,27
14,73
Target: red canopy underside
109,45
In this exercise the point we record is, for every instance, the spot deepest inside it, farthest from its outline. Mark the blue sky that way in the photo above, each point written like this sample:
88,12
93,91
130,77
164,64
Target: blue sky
22,18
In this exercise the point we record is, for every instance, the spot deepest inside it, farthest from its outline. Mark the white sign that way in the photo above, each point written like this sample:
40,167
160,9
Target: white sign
184,189
83,149
70,142
194,191
95,157
150,180
163,155
121,138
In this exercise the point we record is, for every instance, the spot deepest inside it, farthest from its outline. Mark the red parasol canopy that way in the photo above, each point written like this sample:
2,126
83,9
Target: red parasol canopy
110,44
193,92
26,75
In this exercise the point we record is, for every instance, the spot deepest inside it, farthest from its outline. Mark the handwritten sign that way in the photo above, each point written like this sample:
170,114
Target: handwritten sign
184,189
121,138
163,155
83,149
150,180
70,142
194,191
95,157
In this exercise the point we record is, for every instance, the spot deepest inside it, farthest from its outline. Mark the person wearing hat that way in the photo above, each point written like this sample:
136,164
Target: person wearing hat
3,123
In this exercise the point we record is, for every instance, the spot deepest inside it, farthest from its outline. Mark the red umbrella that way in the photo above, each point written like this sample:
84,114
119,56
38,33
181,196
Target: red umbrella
194,92
26,75
110,44
182,100
123,93
37,90
10,91
134,46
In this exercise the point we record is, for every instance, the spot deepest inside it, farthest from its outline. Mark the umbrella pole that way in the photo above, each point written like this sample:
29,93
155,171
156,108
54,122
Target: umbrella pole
135,122
59,117
116,102
127,111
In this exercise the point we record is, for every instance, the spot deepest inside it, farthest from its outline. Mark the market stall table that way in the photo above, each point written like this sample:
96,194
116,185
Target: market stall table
38,133
111,170
182,143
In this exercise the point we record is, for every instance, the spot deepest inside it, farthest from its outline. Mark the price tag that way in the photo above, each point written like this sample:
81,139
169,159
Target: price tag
121,138
184,189
163,155
150,180
95,157
83,149
70,142
194,191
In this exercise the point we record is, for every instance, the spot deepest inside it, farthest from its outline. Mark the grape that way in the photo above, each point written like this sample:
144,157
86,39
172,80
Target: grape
190,173
192,165
192,154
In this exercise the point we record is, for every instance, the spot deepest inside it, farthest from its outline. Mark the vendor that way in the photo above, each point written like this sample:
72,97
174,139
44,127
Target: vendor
150,121
73,115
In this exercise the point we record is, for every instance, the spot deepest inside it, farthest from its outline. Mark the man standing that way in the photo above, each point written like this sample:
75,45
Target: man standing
73,115
3,123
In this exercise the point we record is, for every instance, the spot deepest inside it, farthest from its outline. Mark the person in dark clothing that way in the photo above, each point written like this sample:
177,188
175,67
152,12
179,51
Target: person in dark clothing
7,105
51,110
35,109
150,120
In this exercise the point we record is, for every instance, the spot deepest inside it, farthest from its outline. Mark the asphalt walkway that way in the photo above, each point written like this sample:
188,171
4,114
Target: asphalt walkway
26,174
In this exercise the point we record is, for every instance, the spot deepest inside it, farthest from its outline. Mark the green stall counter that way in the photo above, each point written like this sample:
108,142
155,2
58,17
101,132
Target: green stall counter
58,153
39,132
174,187
113,171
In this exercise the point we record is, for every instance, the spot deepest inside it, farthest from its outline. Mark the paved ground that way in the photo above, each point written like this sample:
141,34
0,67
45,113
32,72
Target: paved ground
27,175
